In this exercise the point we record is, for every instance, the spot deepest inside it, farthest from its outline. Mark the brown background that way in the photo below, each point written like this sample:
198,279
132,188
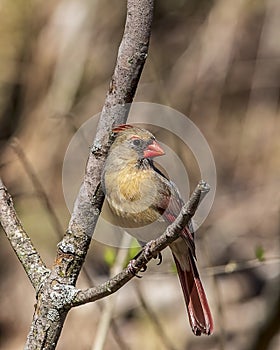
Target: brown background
218,62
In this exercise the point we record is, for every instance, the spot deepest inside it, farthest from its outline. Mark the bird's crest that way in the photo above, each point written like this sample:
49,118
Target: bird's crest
122,127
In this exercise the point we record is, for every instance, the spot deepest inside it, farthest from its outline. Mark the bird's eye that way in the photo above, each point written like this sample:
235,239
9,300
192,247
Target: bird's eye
136,142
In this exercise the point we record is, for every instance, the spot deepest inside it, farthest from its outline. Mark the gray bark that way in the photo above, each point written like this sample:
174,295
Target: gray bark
58,289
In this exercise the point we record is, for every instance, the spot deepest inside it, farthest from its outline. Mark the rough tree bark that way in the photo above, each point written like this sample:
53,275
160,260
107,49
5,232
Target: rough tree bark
55,288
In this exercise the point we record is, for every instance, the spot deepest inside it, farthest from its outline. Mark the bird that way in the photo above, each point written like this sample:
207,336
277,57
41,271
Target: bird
139,194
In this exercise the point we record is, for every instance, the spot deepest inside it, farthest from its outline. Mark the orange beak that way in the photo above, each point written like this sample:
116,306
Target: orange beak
153,150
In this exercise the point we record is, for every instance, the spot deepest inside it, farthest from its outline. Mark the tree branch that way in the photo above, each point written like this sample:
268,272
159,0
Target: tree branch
21,243
170,235
42,195
57,291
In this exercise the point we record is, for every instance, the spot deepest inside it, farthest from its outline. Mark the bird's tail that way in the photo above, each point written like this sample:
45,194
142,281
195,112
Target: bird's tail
198,309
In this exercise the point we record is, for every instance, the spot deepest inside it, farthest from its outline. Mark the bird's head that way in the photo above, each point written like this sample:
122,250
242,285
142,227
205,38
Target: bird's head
135,143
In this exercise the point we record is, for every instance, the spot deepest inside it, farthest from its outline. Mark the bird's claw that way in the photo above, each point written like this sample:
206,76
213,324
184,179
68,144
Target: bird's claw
134,270
143,269
159,257
148,254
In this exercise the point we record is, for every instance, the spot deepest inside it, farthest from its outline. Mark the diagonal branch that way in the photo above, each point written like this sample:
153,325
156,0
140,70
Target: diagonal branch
21,243
139,264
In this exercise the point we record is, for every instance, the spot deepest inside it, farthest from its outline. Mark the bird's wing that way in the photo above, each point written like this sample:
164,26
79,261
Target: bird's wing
173,209
183,251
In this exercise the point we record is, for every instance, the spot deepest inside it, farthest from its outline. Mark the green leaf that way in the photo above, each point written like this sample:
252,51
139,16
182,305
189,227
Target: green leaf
110,256
259,251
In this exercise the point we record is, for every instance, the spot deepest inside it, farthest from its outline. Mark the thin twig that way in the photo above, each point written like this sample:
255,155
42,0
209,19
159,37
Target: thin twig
235,266
21,243
16,146
155,321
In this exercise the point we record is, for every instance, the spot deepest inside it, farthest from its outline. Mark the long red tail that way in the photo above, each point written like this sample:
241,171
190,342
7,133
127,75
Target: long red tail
198,309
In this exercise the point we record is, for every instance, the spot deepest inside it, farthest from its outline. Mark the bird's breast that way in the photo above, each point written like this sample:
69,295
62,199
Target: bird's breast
133,196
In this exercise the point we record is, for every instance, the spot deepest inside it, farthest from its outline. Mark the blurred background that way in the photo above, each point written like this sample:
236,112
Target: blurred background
218,62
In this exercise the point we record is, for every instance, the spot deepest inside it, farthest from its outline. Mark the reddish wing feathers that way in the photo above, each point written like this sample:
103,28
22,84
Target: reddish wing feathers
198,309
174,207
199,292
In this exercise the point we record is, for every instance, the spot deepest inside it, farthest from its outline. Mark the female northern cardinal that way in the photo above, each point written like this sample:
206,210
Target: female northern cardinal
139,194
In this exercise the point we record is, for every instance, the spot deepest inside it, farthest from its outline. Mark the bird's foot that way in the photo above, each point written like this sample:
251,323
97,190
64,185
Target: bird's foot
133,269
148,254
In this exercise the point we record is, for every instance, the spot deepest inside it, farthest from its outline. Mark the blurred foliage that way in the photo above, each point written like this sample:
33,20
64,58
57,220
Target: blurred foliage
218,62
260,253
110,256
